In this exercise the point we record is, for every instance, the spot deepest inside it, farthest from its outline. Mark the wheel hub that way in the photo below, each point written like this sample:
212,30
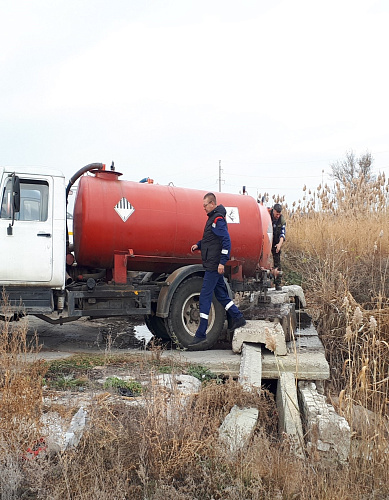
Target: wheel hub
191,314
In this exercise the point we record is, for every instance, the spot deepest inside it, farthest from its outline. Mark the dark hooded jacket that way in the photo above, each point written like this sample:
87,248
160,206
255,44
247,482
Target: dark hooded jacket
278,228
215,244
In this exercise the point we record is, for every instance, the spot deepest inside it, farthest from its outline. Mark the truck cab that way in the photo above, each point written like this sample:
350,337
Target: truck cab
32,236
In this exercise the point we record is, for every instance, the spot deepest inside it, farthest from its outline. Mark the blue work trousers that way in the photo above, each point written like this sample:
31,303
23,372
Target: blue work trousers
214,283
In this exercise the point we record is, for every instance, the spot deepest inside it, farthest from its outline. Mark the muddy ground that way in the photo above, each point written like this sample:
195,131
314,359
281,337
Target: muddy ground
87,335
94,335
98,335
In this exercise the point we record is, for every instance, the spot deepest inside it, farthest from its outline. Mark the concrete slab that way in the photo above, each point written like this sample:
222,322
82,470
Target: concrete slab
260,332
287,320
289,413
306,332
81,336
310,343
221,362
250,374
304,365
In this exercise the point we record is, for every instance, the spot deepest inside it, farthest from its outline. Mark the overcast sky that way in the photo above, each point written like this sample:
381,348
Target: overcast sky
276,90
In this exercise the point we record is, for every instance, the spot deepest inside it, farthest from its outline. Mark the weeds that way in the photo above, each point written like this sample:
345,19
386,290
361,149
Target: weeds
116,383
201,373
66,382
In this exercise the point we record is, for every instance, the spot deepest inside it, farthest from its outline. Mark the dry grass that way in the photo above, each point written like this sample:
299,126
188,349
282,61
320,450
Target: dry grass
20,404
21,387
166,446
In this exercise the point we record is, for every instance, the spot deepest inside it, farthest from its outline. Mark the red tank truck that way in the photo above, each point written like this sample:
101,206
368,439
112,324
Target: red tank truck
130,253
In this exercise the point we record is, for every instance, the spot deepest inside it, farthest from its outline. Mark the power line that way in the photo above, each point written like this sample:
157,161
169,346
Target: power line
265,188
329,161
277,162
276,177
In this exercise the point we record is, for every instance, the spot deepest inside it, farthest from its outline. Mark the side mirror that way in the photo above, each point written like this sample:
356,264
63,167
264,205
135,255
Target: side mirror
15,194
15,202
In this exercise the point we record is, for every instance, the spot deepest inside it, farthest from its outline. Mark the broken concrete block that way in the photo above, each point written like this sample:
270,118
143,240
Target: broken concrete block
53,426
281,297
260,332
278,297
295,291
238,427
59,436
327,432
75,430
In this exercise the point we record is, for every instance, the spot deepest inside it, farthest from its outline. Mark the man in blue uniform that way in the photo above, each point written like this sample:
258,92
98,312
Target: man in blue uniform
215,247
279,232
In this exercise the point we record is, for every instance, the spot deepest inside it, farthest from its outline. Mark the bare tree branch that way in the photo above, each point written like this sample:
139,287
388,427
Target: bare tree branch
351,168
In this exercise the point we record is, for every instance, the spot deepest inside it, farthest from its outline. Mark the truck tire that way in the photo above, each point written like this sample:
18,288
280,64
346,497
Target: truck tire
184,314
156,325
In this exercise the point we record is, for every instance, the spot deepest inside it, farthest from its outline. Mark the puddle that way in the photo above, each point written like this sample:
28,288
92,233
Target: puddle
143,333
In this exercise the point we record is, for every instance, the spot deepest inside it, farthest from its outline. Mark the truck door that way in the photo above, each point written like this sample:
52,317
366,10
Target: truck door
26,255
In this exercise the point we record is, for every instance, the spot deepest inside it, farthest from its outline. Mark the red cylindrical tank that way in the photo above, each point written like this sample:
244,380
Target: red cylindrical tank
159,224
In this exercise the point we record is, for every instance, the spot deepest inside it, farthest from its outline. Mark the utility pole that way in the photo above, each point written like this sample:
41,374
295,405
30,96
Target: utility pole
220,176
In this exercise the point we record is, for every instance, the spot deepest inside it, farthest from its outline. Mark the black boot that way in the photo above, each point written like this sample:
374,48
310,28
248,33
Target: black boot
237,323
198,344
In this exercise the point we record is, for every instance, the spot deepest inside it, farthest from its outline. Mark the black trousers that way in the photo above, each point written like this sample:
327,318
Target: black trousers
277,264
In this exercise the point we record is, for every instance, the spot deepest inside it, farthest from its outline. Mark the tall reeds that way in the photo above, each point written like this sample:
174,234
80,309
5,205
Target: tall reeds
338,247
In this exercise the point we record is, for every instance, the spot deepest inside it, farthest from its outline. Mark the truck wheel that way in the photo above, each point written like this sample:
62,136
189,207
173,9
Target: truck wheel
156,325
184,314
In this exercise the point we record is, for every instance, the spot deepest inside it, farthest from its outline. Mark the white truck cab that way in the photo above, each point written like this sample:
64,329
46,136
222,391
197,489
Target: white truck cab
33,233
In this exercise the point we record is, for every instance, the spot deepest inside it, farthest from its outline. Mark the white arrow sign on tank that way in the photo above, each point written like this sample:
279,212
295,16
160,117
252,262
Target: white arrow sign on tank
232,215
124,209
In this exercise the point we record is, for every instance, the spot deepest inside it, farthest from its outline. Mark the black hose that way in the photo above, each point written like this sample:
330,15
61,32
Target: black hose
77,175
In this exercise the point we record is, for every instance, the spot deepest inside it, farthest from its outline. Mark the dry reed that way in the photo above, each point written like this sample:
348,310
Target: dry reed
338,249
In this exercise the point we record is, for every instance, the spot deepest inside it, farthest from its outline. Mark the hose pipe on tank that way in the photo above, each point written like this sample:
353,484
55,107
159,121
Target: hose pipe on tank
77,175
83,170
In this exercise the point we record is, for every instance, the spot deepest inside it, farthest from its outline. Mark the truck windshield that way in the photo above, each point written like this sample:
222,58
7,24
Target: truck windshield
34,197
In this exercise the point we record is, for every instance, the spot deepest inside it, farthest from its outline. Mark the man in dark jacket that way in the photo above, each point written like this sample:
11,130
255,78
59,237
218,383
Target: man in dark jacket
279,232
215,247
